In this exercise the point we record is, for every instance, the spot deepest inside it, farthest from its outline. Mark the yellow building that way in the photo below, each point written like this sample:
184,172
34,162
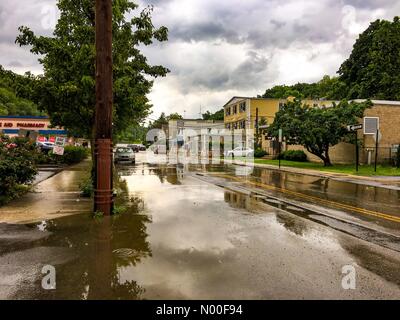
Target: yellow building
242,112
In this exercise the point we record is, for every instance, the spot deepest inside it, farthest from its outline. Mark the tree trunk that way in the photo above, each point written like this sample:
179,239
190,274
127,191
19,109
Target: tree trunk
324,157
327,160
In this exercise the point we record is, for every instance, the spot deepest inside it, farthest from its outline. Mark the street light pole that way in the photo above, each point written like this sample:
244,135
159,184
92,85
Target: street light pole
103,195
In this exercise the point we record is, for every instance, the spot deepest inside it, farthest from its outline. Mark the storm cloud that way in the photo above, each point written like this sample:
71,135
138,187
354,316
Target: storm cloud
220,48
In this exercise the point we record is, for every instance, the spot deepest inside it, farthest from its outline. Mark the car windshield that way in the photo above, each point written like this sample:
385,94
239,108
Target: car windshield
124,150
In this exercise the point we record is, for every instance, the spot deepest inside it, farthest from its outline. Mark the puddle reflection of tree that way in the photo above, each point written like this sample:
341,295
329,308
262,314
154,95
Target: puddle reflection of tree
102,246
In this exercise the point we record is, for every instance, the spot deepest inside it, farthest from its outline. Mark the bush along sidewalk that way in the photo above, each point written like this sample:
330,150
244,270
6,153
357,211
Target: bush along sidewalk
293,155
18,158
71,155
259,153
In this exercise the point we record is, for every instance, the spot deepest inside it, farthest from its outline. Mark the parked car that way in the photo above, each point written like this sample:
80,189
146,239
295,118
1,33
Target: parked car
240,152
134,147
141,147
124,154
45,146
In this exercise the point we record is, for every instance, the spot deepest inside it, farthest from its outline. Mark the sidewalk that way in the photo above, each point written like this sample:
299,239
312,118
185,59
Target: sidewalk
389,182
57,196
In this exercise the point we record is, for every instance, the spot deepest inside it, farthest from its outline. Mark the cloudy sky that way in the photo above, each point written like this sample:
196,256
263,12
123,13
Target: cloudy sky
221,48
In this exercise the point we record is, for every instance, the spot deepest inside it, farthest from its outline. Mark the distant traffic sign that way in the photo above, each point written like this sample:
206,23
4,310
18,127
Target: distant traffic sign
355,127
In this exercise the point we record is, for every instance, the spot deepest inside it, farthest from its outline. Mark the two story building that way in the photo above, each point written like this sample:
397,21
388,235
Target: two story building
242,112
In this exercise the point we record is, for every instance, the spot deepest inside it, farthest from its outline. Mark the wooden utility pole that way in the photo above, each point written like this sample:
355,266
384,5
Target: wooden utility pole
103,194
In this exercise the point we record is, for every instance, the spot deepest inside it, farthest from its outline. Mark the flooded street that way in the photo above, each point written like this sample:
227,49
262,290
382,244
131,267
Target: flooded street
184,235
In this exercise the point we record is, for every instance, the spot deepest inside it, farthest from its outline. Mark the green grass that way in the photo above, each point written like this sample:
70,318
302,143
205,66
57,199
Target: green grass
364,170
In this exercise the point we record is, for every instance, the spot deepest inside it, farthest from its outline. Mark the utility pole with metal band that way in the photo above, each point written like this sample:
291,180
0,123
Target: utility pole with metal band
103,194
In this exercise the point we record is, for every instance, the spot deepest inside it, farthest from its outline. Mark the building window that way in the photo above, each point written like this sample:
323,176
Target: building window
228,126
235,125
371,125
281,105
315,105
242,107
235,109
228,111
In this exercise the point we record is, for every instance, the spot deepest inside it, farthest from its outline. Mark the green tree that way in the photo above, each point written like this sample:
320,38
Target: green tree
218,115
163,120
14,89
317,129
373,68
135,133
328,87
66,90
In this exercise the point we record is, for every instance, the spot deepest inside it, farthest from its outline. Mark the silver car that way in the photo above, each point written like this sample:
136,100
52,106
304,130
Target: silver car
124,154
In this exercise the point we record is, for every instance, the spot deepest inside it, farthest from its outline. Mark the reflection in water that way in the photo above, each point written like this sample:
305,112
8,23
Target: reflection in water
180,237
236,200
102,247
166,173
291,223
368,197
100,267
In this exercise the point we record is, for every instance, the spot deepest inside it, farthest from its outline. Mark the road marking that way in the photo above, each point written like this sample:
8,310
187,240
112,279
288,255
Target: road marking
316,199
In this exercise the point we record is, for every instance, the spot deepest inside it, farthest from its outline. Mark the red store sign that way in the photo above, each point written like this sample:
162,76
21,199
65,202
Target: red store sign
22,125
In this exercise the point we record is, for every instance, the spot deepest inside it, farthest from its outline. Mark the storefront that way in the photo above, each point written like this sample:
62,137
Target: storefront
38,126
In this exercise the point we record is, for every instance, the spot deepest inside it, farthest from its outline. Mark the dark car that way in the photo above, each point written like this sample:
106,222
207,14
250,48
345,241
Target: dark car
134,147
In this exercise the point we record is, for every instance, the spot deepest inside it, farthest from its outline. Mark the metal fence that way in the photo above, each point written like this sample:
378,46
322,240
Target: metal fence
384,155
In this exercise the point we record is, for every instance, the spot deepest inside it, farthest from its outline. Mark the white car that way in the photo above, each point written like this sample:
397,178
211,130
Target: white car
124,154
240,152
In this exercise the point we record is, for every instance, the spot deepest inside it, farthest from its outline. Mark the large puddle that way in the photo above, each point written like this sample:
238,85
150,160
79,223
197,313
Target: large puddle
183,238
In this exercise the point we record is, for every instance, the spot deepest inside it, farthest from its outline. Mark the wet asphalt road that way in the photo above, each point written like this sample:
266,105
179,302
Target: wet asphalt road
199,234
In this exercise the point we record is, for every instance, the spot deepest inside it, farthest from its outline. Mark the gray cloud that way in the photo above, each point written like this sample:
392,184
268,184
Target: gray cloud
15,64
203,31
370,4
219,48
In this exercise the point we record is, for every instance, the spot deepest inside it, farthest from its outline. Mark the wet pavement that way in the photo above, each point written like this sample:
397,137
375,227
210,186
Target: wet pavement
377,206
53,195
183,236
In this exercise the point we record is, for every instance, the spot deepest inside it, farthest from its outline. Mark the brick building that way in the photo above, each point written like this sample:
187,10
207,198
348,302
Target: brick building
240,114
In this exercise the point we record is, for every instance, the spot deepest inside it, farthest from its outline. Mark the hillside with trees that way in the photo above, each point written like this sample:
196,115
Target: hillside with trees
14,90
371,71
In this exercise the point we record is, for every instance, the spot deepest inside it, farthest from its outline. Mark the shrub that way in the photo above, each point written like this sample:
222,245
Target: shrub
71,155
17,166
86,188
74,154
259,153
294,155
